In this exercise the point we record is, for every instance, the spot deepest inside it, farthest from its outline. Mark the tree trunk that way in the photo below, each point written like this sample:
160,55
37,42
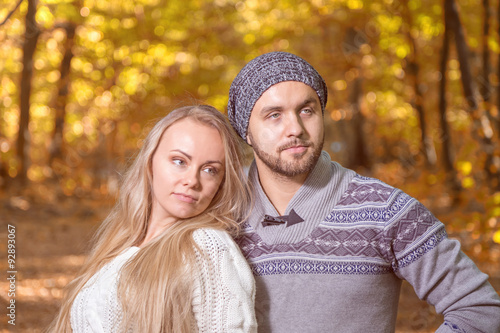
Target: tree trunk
359,155
29,46
498,78
492,164
4,172
56,146
427,144
485,79
453,20
445,131
480,119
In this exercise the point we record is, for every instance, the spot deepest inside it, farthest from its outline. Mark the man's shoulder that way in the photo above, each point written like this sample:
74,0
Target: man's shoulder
363,190
370,182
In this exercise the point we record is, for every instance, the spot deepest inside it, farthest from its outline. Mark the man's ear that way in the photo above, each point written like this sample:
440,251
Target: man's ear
248,140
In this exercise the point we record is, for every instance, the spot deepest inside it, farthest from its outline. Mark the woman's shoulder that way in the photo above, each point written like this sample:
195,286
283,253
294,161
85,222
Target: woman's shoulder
218,255
208,238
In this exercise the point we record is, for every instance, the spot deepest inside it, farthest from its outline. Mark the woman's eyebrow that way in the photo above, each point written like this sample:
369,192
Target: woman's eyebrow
190,157
183,153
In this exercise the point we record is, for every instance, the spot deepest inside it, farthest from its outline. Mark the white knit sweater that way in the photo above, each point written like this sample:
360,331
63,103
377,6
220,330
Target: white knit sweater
223,298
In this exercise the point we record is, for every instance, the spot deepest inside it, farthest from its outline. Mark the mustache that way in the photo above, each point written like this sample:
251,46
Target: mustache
294,143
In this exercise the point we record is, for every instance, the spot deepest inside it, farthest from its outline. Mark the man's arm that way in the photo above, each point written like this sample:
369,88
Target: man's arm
441,273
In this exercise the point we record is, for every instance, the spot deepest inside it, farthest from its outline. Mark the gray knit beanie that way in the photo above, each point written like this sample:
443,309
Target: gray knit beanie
259,75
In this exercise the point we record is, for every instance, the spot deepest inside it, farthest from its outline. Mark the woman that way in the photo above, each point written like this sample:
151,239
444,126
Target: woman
163,260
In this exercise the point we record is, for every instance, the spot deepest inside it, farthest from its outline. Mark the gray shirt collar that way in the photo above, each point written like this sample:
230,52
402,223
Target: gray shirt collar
314,200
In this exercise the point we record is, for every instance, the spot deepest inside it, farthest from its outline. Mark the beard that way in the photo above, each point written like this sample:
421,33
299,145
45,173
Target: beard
301,163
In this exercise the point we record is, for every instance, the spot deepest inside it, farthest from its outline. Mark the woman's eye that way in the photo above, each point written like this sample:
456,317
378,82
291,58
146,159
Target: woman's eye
178,161
211,171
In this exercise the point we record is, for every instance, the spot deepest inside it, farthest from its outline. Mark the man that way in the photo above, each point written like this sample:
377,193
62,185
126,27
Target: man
328,247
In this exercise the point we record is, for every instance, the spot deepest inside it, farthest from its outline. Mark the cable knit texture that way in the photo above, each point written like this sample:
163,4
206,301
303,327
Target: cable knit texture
259,75
223,297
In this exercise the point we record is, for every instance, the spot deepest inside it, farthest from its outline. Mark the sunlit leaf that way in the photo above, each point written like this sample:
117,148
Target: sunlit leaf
44,16
496,237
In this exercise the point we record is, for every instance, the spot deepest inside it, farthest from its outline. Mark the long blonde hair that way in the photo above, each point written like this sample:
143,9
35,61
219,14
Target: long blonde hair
155,286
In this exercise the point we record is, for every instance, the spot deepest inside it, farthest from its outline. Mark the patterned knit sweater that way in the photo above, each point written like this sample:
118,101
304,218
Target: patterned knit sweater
223,298
341,269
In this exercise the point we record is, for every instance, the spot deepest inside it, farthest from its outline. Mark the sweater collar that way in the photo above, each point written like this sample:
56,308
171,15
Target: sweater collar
312,202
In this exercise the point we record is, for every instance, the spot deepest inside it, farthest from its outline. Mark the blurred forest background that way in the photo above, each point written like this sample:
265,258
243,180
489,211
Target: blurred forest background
414,100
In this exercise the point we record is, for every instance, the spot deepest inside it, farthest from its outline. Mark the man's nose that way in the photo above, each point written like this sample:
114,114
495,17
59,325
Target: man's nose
294,125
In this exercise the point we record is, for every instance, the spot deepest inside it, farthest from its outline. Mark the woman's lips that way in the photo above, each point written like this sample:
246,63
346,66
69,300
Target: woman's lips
185,197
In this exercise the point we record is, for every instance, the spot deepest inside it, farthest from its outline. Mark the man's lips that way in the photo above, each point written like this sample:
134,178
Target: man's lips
184,197
295,149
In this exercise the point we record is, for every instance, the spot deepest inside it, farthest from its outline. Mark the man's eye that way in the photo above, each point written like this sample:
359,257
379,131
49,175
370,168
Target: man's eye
274,115
306,111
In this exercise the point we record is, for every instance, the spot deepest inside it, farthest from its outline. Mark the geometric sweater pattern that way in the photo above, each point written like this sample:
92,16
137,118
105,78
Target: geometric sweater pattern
391,231
341,268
